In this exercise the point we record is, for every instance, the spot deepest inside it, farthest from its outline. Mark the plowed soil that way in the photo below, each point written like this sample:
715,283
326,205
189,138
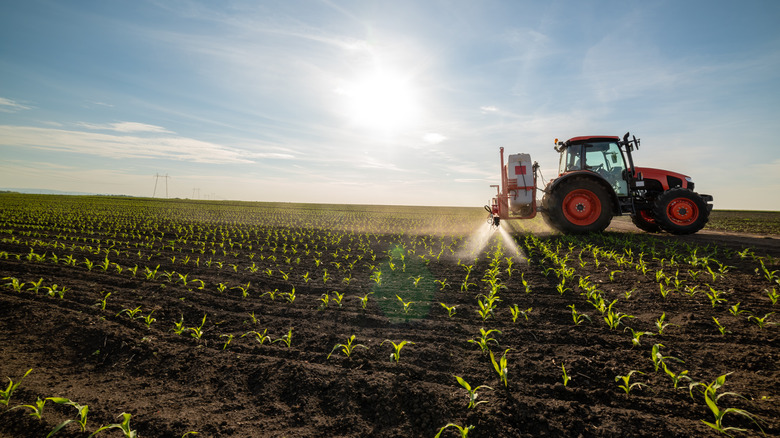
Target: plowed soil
227,383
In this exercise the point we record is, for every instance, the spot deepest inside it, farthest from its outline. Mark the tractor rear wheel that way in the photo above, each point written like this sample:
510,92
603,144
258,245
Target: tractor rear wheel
643,219
577,205
680,211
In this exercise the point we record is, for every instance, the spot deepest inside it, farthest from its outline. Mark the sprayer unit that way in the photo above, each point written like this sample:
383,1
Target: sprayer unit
516,196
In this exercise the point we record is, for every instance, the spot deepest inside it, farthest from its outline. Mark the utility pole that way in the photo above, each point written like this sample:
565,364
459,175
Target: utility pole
156,179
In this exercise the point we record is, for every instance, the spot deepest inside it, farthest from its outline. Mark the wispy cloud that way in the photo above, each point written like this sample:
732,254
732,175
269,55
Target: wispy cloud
11,106
127,146
125,127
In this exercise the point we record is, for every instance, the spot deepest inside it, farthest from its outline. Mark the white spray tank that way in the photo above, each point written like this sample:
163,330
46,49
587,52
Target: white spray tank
521,184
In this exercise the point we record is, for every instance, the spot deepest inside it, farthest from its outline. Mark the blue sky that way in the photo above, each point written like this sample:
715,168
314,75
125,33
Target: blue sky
402,102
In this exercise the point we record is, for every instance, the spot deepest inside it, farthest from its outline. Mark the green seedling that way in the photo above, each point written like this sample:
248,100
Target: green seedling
124,426
660,325
676,378
244,289
36,286
711,399
253,317
337,297
577,316
229,339
735,310
260,337
762,322
721,328
773,295
364,300
347,348
197,332
286,339
16,286
37,408
626,385
148,319
484,340
501,366
407,304
289,296
54,290
566,378
659,359
325,298
516,312
5,396
271,294
464,431
396,354
83,410
130,312
636,334
472,393
178,327
102,302
450,309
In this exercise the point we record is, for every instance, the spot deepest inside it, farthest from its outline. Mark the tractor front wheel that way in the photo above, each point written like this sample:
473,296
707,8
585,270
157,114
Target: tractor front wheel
680,211
576,206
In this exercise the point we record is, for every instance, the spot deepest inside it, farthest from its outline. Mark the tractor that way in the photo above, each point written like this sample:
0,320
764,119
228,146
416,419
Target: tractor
597,180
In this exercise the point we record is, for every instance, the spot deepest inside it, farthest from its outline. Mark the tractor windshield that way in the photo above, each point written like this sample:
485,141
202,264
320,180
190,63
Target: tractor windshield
607,160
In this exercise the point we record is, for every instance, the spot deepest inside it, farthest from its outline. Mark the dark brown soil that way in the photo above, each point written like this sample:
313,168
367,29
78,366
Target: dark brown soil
174,383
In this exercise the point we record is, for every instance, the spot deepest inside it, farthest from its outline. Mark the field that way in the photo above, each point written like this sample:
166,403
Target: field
289,320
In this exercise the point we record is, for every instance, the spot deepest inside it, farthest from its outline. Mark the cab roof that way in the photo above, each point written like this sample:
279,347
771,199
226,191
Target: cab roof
592,138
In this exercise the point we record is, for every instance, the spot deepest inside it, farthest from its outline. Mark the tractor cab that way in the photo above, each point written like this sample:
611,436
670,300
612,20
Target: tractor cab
600,155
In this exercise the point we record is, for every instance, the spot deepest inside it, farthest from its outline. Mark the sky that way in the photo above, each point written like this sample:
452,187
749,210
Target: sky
381,102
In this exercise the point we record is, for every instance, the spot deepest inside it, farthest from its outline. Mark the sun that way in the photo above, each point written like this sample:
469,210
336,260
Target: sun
381,100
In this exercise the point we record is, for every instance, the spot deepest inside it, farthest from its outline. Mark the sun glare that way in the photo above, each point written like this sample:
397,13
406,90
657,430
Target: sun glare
381,100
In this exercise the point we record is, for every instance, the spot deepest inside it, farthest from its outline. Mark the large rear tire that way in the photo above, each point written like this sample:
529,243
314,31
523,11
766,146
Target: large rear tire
680,211
577,205
644,220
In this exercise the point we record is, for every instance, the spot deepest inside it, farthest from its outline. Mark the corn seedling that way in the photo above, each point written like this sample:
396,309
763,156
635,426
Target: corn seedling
407,304
197,332
516,312
260,337
626,384
762,322
337,297
659,359
325,299
721,328
773,295
660,325
229,339
464,431
178,327
289,296
566,378
148,320
612,275
244,289
577,316
124,426
735,310
501,366
450,309
83,410
484,340
676,378
37,408
715,296
16,286
102,303
636,334
347,348
396,354
711,399
286,339
364,300
130,312
5,396
472,393
613,318
36,286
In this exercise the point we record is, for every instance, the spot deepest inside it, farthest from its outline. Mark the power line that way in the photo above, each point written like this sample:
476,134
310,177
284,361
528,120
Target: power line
156,179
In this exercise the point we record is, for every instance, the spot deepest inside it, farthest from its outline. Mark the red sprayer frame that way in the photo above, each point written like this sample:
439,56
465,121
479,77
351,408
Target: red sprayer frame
500,204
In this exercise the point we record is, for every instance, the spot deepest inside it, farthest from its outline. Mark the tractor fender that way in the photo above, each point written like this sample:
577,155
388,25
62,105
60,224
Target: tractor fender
592,176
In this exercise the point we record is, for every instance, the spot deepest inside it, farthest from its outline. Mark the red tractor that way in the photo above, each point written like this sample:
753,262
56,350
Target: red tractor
597,180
